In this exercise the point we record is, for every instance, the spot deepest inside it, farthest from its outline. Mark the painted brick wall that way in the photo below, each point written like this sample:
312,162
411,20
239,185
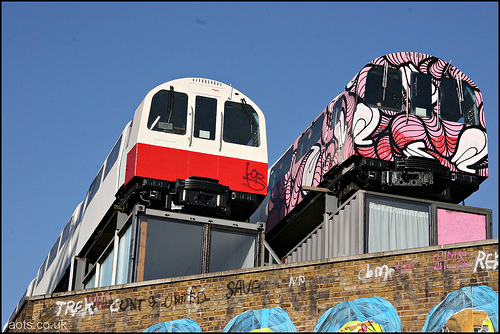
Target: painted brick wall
413,281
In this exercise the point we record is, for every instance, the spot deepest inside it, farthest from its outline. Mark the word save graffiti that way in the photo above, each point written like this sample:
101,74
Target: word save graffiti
239,287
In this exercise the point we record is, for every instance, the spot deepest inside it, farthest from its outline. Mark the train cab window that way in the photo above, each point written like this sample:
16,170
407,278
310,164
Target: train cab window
53,252
384,88
168,112
112,157
469,108
421,94
309,138
205,117
455,108
280,168
241,124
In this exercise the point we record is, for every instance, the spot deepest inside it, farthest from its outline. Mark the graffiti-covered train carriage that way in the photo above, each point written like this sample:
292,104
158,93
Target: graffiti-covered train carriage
406,123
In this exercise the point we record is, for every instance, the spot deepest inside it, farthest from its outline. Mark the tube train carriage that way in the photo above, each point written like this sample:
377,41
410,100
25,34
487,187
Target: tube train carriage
406,123
193,144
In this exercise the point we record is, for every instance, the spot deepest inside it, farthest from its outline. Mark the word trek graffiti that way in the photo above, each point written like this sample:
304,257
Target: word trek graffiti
450,259
486,262
300,280
81,308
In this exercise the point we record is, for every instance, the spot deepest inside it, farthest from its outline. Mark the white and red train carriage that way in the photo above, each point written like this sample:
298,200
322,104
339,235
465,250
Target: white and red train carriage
194,145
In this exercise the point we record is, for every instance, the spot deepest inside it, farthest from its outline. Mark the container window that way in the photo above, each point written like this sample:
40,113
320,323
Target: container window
241,124
105,269
90,282
167,255
123,257
396,224
230,250
168,112
205,117
385,94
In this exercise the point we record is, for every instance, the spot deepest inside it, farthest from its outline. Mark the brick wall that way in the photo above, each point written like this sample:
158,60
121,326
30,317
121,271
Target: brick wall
413,281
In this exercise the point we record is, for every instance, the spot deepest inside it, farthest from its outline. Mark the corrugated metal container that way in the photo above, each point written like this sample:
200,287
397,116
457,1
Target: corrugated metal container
347,230
340,234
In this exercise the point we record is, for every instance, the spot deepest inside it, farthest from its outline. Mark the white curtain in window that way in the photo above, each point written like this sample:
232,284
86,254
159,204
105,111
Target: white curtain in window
123,257
391,228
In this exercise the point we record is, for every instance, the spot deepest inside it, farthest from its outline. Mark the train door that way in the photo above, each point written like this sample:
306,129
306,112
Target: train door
205,117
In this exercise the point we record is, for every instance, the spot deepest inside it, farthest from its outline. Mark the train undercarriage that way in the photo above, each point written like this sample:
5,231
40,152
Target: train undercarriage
195,195
420,177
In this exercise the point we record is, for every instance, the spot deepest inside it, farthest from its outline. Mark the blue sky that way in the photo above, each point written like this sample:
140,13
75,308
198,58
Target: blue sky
74,73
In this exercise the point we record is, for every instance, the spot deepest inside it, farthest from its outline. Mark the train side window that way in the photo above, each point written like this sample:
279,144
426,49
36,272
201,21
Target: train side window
337,109
309,138
454,110
241,124
65,233
168,112
53,252
41,271
205,117
388,97
94,187
110,161
280,168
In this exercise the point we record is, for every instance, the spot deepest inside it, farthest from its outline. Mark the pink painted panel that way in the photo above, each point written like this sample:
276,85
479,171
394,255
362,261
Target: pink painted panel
455,226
